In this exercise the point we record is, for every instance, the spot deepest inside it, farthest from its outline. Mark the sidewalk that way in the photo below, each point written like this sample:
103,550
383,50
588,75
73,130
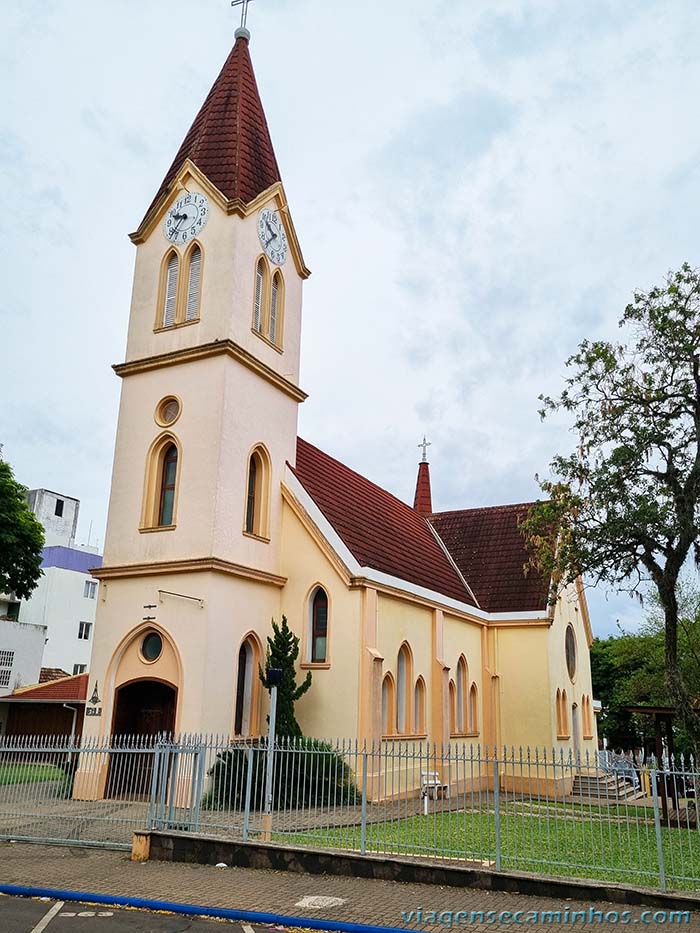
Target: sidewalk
362,901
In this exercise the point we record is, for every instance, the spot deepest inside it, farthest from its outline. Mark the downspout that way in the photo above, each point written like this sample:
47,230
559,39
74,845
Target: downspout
75,716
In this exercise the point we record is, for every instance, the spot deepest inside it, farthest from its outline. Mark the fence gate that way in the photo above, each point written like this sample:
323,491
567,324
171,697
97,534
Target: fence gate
177,782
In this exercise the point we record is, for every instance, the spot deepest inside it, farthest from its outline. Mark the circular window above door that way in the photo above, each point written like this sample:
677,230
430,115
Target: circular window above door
151,647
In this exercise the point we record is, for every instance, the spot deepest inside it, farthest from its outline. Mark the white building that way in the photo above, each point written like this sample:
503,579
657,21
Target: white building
63,603
21,647
58,514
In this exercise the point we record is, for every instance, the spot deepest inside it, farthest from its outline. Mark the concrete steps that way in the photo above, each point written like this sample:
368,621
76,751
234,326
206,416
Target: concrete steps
604,786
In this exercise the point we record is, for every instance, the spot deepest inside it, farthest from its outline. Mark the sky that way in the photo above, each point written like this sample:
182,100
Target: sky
477,187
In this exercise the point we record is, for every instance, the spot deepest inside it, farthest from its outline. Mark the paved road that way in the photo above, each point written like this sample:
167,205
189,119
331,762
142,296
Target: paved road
24,915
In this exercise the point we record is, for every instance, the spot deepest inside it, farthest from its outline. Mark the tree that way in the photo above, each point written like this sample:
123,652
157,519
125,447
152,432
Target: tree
21,538
629,670
623,507
282,652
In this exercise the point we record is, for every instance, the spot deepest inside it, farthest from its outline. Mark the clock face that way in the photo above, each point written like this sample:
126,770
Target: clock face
186,218
272,235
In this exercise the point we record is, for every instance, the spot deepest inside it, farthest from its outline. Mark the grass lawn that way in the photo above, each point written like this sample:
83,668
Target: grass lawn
21,773
581,846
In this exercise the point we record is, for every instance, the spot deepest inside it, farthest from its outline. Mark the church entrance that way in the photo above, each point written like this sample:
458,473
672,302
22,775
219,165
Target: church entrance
143,709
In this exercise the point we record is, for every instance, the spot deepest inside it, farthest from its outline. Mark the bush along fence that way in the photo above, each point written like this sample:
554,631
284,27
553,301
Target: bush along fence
532,810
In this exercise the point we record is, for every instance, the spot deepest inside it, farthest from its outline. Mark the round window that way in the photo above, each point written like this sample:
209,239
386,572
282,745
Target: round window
168,410
152,646
570,646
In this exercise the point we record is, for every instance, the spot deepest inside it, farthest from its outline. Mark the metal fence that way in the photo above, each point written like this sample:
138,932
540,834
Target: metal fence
512,810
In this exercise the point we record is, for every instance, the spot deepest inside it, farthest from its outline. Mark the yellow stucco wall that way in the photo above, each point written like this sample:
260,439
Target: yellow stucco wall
330,708
206,640
569,611
462,637
401,621
523,687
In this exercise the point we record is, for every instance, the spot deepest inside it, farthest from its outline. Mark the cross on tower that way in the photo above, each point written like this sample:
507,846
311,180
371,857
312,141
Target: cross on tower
243,4
425,446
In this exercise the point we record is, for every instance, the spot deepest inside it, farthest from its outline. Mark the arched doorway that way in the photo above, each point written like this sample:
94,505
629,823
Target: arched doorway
246,719
143,709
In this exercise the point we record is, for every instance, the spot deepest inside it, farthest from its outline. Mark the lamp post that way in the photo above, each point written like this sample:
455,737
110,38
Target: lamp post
273,678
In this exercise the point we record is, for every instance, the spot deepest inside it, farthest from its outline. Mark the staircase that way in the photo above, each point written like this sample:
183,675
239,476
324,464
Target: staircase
604,786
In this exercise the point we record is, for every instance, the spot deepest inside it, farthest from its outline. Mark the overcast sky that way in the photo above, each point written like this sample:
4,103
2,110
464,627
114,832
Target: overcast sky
477,186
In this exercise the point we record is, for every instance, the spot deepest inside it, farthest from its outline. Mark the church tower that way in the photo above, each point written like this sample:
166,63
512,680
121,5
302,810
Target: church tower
207,421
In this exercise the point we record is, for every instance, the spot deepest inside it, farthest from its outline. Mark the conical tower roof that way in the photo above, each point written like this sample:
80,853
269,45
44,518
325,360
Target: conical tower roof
423,500
229,141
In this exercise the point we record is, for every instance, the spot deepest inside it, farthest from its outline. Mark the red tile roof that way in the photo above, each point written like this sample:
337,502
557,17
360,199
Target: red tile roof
489,549
67,690
423,501
52,673
379,530
229,141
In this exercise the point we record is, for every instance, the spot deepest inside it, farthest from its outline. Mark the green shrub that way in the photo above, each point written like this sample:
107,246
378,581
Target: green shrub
307,773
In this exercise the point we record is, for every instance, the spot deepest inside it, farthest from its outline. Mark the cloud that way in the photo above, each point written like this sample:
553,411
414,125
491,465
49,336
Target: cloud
477,187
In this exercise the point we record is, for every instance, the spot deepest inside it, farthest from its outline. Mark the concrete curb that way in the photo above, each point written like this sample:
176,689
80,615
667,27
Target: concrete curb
205,850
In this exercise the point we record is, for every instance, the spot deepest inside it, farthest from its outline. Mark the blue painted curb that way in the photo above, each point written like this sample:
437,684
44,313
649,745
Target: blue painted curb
223,913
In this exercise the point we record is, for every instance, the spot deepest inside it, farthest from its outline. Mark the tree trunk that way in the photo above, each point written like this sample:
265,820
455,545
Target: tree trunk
686,715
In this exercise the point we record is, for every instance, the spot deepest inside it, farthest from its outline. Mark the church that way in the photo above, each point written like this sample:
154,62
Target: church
414,624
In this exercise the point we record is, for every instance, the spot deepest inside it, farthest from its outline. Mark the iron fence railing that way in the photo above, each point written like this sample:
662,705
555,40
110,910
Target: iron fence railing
552,813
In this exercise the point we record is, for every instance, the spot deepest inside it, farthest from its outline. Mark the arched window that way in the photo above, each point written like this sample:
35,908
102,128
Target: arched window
570,651
462,686
276,308
170,291
587,716
473,709
168,476
194,279
419,707
251,495
161,482
388,705
558,702
319,626
404,677
259,299
564,714
453,707
257,493
246,716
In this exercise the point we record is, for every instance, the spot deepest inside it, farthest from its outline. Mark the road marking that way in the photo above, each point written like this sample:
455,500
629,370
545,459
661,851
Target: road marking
47,918
318,901
246,928
67,914
86,913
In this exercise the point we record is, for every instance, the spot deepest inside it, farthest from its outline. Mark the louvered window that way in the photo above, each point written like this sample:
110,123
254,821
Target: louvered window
193,283
273,308
170,291
257,310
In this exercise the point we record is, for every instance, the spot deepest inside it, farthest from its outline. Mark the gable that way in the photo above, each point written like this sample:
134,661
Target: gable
378,529
489,548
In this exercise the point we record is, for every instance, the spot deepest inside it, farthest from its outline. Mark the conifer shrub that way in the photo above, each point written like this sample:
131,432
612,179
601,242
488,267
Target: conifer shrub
307,773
